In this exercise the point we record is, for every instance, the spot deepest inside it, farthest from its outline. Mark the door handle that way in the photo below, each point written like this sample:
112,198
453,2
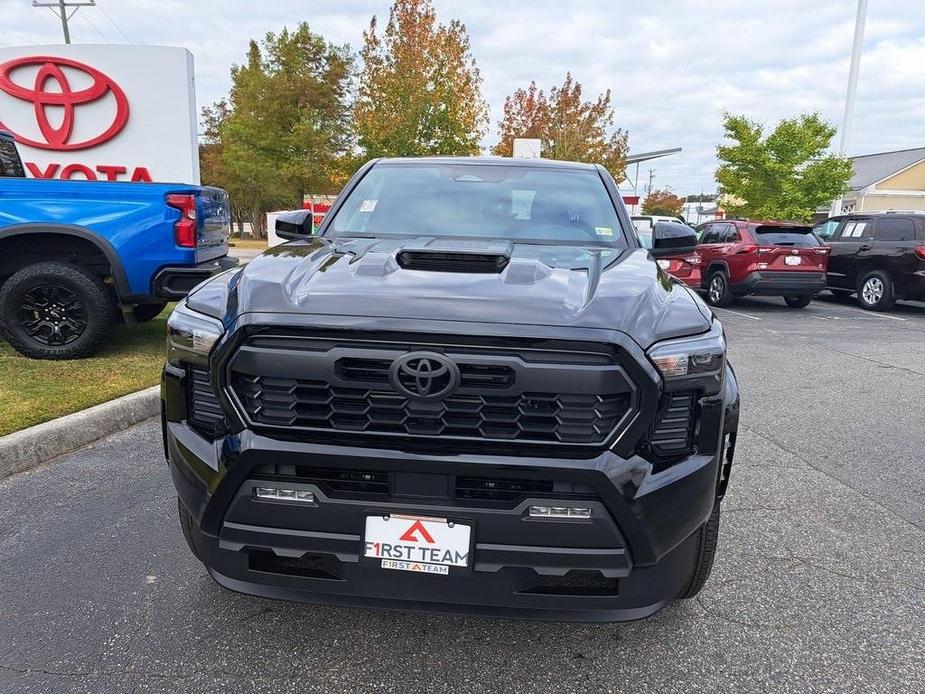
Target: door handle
865,247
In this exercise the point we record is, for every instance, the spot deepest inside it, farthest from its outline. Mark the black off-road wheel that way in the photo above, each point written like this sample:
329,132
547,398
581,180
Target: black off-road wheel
707,538
56,310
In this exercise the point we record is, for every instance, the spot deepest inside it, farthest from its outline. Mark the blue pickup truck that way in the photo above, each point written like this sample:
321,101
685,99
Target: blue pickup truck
76,257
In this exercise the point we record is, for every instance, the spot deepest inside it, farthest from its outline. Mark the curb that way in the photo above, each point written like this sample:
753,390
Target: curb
30,447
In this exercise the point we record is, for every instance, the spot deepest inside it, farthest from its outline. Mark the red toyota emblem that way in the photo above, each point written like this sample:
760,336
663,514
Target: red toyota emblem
50,70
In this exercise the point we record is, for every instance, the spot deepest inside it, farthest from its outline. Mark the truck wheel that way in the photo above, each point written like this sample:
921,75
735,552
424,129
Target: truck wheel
186,524
145,312
707,537
56,310
798,301
718,292
875,292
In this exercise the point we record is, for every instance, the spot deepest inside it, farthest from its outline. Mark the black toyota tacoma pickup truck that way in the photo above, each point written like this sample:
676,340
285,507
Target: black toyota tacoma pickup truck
471,390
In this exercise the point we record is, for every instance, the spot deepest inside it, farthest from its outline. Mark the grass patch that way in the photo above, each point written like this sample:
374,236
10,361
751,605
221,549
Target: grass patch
257,244
34,390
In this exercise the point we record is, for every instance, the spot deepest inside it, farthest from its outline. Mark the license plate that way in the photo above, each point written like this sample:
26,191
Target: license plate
417,543
792,260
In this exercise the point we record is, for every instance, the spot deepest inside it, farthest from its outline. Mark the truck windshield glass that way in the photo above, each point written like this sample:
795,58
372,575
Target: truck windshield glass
481,201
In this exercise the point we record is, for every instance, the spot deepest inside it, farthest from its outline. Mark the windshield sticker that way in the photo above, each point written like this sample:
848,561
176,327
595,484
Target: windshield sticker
604,231
368,205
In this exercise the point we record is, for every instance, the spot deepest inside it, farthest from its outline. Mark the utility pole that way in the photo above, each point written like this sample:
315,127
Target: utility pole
62,6
848,116
649,187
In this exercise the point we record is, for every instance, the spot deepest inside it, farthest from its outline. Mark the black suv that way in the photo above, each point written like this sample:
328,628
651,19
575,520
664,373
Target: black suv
879,255
470,390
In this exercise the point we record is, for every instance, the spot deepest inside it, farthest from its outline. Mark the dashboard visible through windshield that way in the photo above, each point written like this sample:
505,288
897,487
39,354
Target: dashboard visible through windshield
518,203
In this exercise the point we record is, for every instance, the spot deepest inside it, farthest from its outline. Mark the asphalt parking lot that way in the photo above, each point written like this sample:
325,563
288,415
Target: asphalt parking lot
819,583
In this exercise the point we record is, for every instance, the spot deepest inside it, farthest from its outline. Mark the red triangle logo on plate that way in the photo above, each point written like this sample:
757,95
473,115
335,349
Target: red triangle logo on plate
417,527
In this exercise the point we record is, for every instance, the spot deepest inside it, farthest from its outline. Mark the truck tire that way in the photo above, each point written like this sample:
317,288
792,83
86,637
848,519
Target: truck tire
707,537
145,312
56,310
875,291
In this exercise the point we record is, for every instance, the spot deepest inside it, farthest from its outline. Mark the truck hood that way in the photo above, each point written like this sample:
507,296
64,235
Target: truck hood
589,287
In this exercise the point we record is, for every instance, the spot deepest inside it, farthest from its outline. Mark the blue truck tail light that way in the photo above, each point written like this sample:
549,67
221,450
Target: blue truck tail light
185,228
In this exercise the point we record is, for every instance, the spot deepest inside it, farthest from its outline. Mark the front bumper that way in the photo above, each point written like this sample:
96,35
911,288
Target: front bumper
781,283
174,283
633,556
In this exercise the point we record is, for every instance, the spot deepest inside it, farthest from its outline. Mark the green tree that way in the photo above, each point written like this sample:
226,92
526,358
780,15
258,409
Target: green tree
419,88
785,174
570,128
285,128
663,202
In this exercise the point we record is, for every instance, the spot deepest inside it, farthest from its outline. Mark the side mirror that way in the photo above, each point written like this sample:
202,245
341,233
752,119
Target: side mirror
294,225
672,238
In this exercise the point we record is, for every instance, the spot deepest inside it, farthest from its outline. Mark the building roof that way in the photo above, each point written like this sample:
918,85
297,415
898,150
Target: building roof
873,168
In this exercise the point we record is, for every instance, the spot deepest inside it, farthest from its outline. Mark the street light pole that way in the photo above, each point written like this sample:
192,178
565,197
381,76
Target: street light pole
851,95
853,70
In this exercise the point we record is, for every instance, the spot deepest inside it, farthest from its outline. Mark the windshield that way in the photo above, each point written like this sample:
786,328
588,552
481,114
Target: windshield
504,201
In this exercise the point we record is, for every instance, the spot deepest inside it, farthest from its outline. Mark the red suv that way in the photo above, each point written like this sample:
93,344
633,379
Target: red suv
738,258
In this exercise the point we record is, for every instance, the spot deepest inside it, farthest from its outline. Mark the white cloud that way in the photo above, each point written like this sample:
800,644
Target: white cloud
672,65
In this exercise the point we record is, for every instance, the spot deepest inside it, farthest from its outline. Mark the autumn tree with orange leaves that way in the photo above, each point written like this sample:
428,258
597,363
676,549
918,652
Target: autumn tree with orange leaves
419,90
570,128
663,202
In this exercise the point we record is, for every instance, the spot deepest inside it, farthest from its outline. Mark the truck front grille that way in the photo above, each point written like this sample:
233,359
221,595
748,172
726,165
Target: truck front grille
345,388
546,417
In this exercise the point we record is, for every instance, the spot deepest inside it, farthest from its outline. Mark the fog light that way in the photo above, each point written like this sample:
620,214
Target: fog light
278,494
578,512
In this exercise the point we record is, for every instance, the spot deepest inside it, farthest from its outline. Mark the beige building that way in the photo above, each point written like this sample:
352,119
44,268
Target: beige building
887,181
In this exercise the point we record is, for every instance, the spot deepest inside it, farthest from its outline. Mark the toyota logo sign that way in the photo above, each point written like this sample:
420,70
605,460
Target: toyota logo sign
52,90
426,375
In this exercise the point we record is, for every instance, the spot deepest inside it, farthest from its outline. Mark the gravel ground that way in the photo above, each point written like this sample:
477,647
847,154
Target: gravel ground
819,583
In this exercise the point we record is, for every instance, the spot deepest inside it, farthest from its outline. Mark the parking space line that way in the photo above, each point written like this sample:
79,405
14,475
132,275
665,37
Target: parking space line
871,314
736,313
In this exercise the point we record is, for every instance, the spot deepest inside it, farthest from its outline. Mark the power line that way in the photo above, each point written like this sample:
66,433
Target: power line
87,20
62,6
20,38
116,26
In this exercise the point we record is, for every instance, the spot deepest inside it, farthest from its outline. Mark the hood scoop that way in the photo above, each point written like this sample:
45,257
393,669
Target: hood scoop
453,261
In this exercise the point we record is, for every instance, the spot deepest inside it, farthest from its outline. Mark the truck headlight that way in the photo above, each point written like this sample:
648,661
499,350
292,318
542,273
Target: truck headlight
191,335
696,361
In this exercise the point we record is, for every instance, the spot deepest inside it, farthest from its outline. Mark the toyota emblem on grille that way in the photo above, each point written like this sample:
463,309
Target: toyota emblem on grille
424,375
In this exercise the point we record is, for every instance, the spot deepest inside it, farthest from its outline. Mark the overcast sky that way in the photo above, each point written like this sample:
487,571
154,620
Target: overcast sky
672,65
